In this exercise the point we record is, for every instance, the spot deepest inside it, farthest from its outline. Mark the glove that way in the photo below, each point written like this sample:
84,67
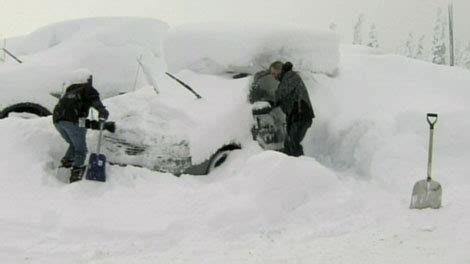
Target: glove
95,125
103,114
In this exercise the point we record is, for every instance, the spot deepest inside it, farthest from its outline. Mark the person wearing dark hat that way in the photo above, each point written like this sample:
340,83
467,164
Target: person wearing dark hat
72,108
293,98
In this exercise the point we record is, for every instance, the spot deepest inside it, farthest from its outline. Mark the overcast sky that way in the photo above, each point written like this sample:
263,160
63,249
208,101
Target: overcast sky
394,18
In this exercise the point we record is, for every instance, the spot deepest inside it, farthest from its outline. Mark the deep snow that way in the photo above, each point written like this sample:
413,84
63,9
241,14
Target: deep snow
218,48
109,47
345,202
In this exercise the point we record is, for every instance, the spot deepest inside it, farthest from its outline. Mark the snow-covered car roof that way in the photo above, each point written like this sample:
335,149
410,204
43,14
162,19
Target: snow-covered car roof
217,48
108,47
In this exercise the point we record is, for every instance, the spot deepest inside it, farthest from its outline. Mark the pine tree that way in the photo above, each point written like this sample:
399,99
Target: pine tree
459,54
409,49
419,54
465,57
373,39
439,47
357,38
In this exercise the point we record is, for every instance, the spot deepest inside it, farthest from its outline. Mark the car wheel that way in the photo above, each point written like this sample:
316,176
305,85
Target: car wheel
218,159
29,108
215,161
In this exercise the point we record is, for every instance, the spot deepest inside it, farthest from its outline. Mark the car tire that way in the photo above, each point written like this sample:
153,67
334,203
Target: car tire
25,108
218,159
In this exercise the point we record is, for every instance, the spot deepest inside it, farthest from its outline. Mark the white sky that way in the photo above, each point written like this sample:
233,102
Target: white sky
394,18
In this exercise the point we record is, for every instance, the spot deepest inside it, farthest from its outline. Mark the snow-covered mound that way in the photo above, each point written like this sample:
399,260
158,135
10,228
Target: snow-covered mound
165,122
109,47
210,48
373,114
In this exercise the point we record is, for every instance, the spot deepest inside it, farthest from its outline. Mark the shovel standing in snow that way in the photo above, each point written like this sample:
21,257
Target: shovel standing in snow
97,162
427,193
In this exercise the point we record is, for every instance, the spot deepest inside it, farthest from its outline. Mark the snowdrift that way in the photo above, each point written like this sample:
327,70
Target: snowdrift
372,116
109,47
209,48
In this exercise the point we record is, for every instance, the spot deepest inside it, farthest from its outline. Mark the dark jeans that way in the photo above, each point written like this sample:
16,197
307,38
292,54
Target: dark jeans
75,136
296,131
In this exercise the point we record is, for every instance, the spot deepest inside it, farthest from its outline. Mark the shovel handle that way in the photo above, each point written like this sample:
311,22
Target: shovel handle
432,119
101,135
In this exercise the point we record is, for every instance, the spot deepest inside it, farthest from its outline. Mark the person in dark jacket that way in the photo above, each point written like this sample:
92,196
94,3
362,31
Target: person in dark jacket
293,98
69,115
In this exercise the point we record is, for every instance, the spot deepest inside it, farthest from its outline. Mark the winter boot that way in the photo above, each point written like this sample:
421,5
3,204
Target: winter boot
65,163
76,174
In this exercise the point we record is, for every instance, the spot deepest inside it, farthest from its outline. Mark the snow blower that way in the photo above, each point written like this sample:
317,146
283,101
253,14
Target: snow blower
427,193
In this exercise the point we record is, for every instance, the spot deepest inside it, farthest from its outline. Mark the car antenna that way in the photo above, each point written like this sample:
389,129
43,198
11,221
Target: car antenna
137,72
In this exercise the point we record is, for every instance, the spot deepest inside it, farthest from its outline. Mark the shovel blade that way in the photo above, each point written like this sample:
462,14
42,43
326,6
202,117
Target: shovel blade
426,194
96,168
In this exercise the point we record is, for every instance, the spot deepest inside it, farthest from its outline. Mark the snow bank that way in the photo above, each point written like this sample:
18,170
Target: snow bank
371,119
108,47
223,48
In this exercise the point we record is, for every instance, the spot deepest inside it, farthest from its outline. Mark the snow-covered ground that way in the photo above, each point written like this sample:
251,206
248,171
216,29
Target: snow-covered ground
345,202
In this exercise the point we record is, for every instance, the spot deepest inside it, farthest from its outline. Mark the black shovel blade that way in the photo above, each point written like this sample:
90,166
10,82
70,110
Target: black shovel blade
96,168
426,194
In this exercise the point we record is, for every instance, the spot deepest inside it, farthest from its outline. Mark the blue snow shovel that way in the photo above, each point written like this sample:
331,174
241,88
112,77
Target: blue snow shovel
427,193
97,162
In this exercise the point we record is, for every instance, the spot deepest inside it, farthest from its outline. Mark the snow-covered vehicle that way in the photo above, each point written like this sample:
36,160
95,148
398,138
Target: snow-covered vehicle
178,133
238,48
108,47
174,131
171,131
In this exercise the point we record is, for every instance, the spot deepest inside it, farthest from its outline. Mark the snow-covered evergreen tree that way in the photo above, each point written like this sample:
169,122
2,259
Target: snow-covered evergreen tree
414,48
439,46
419,51
459,53
464,57
373,39
409,48
358,27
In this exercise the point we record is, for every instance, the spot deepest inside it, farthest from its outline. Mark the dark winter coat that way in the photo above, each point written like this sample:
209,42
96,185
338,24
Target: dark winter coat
293,97
76,103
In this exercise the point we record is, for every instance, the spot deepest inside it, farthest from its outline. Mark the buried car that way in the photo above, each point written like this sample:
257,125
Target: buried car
108,47
174,131
167,128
